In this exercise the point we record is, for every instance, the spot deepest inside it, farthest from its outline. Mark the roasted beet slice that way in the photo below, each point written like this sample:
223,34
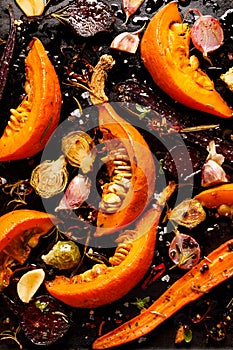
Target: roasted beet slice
44,320
86,17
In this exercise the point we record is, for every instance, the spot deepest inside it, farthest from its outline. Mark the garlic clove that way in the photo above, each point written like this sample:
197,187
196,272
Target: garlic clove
29,283
76,193
126,41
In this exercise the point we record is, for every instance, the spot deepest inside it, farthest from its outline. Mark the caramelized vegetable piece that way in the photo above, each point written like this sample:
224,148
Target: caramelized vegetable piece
228,78
206,33
185,290
86,17
32,123
102,285
20,231
132,170
44,320
184,251
214,197
6,58
165,52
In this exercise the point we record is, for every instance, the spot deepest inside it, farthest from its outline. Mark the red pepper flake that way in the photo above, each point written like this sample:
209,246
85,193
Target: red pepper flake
155,273
100,331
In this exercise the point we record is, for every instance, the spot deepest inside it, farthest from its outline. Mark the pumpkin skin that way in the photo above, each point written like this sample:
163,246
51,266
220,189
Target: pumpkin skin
143,171
94,289
15,222
165,54
214,197
20,231
35,119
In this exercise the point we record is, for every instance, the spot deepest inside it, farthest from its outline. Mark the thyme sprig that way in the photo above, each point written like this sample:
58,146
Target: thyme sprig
12,335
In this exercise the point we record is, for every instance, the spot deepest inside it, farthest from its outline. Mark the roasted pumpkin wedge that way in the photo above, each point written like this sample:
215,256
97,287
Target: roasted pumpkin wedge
35,119
165,53
104,284
132,172
188,288
216,196
20,231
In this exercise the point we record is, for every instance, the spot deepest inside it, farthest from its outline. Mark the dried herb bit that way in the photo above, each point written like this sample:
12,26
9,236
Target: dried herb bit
7,55
141,303
86,17
184,333
11,335
44,320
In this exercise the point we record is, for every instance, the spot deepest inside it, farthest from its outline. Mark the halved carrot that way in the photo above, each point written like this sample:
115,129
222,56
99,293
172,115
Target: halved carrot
165,53
214,197
185,290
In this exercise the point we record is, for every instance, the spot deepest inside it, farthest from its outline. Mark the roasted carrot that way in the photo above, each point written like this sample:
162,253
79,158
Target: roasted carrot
185,290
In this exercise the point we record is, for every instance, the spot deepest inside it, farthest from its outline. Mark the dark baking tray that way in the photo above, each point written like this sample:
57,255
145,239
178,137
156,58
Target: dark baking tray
84,327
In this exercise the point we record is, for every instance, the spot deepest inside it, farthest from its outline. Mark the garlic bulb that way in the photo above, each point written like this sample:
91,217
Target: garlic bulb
50,177
77,146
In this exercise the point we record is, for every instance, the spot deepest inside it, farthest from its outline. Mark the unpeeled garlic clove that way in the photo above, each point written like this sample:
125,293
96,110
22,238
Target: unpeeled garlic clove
76,193
130,7
126,41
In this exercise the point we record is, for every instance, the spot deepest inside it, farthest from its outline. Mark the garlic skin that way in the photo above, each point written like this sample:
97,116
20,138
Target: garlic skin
127,42
76,193
213,174
212,171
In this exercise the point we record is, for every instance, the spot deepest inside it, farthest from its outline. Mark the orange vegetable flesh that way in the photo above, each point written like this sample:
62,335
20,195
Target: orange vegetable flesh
165,53
143,172
14,223
35,119
214,197
118,280
187,289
